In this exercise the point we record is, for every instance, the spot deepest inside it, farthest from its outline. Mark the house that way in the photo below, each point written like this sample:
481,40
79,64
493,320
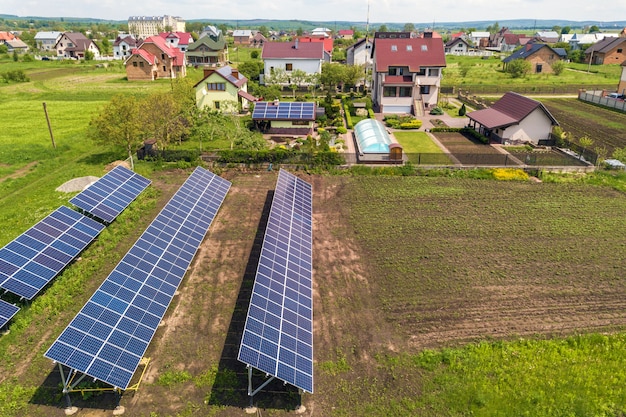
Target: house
284,118
142,27
457,46
514,118
511,42
477,37
75,45
621,87
242,37
540,55
290,56
579,39
224,90
325,32
155,59
392,35
6,36
211,48
407,73
123,45
16,45
180,40
607,51
345,34
360,53
326,41
258,40
45,41
547,36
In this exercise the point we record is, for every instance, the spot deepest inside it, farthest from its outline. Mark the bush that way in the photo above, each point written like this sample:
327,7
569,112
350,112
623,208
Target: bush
18,76
370,113
413,124
436,111
254,54
341,130
462,110
402,122
518,68
558,67
348,116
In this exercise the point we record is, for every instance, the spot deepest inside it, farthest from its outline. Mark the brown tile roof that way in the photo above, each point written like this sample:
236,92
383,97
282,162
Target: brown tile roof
412,52
305,50
247,95
511,109
605,45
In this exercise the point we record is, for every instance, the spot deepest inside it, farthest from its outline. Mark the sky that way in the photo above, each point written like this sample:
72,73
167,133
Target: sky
380,11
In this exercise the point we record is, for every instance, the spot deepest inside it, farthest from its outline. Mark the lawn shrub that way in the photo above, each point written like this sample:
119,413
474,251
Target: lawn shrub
395,121
413,124
348,117
436,111
370,113
341,130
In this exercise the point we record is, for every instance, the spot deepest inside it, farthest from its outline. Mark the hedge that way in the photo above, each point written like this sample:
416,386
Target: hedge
370,113
346,109
289,156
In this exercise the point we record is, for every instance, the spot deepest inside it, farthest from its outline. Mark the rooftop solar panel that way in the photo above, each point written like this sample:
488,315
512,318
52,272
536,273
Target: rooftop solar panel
33,259
278,334
7,311
284,111
108,337
111,194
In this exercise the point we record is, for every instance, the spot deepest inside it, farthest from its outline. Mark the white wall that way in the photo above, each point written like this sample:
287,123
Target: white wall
310,66
535,126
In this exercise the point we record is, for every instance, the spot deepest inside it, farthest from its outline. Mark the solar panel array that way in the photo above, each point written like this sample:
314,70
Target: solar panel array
108,337
7,311
111,194
278,334
284,111
33,259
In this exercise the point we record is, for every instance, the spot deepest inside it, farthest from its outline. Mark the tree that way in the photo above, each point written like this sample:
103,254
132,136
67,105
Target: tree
299,31
277,76
565,30
556,28
353,74
383,28
251,69
585,142
105,47
163,118
332,74
89,55
558,67
254,54
15,56
594,29
264,30
408,27
518,68
495,28
620,154
462,110
119,124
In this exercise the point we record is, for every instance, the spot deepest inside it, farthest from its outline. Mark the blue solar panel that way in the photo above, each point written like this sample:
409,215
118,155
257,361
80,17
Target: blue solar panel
284,111
7,311
111,194
110,334
278,334
33,259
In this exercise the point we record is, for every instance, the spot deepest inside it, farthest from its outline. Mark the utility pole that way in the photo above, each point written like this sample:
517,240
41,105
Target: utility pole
45,110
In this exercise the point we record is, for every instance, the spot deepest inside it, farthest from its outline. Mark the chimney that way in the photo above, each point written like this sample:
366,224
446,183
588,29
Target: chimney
208,71
235,73
528,46
295,45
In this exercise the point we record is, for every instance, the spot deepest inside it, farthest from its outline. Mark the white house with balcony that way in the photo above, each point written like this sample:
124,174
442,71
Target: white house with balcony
291,56
407,73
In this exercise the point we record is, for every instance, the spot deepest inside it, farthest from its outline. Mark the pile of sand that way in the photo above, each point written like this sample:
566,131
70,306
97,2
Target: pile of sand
77,184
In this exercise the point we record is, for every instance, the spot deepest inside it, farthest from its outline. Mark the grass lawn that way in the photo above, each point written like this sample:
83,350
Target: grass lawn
420,148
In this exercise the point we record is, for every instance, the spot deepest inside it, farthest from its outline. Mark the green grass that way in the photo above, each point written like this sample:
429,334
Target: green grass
420,148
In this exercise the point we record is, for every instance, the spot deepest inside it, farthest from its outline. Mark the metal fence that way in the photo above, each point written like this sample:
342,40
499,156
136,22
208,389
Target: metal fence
597,98
477,89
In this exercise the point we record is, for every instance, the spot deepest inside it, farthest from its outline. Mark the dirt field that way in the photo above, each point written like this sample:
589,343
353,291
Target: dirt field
400,264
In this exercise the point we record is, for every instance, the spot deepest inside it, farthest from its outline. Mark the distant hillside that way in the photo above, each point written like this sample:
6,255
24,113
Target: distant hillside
528,24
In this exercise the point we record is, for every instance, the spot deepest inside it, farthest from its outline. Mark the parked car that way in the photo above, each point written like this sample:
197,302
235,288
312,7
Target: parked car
614,95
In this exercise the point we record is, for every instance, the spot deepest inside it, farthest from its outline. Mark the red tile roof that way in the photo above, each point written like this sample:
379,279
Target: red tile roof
175,54
144,54
412,52
281,50
6,36
184,38
511,109
346,32
247,95
328,42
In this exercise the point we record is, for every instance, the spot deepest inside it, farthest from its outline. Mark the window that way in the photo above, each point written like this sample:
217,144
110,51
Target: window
288,67
424,89
300,123
389,91
409,47
393,71
216,104
162,56
433,72
141,64
539,68
135,64
405,92
164,69
422,71
271,70
394,47
619,50
424,48
216,86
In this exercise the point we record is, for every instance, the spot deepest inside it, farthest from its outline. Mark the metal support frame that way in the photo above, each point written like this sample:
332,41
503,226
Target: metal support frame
251,392
71,382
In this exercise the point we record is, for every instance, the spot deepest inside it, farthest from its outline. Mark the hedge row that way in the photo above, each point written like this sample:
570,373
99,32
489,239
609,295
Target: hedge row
241,156
346,109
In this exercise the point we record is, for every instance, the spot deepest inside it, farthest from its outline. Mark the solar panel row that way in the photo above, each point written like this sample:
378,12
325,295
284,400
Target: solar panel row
7,311
111,194
278,334
284,111
33,259
108,337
